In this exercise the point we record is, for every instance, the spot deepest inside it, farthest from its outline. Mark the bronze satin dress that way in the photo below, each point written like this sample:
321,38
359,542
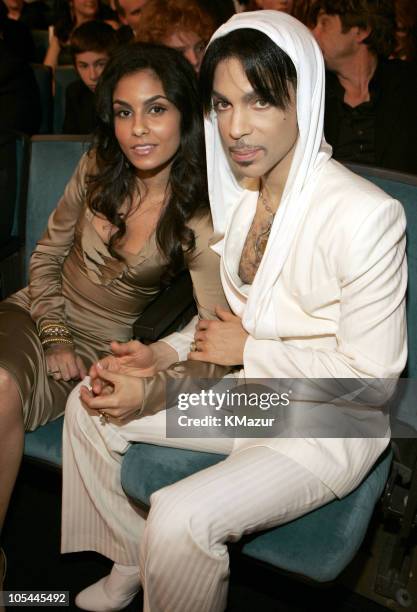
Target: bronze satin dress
75,280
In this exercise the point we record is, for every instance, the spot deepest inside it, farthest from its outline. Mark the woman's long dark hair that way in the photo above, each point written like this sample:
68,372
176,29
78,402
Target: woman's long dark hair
115,181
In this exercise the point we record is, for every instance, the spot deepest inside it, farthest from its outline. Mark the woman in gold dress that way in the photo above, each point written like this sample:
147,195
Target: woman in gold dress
133,215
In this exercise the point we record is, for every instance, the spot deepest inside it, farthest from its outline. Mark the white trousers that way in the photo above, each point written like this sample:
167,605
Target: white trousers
181,545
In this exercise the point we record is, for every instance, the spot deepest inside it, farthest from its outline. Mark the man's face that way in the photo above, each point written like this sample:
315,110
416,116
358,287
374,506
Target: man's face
132,12
189,44
90,65
258,138
337,46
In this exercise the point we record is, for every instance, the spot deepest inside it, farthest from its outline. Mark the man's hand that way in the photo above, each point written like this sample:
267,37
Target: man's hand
63,363
122,399
132,358
221,342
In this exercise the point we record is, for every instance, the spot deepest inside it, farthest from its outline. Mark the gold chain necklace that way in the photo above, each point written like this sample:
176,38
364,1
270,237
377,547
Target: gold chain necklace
262,238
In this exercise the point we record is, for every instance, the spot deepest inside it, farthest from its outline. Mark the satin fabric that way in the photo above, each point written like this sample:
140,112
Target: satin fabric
75,280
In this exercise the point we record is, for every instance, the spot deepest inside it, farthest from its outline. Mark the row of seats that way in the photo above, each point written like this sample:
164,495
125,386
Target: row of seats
319,545
53,102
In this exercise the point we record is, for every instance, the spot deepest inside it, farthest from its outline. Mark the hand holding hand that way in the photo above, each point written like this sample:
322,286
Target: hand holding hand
221,342
122,397
132,358
63,363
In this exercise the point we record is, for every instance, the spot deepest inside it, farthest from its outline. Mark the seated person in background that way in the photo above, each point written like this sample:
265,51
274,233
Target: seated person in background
371,101
127,223
76,12
16,36
33,14
129,13
340,316
179,24
405,30
91,45
20,106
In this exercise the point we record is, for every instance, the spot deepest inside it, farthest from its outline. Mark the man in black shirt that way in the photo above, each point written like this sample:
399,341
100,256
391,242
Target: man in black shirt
91,46
370,111
36,15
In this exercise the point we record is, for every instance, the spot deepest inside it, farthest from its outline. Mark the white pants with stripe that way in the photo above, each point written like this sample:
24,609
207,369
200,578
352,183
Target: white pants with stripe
181,545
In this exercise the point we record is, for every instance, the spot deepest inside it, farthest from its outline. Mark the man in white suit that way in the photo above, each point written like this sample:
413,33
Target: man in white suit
313,266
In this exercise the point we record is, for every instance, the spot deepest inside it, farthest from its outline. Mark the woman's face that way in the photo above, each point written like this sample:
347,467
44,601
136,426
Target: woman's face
86,9
146,124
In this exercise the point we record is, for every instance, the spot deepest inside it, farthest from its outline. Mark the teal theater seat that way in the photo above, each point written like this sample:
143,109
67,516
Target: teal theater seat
52,161
320,544
43,76
45,444
64,75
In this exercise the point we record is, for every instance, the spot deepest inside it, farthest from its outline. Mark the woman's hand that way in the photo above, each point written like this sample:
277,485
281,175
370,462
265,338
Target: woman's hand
221,342
52,54
122,397
62,363
132,358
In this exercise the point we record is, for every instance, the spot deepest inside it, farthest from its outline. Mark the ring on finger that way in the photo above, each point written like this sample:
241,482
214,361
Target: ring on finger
52,372
104,417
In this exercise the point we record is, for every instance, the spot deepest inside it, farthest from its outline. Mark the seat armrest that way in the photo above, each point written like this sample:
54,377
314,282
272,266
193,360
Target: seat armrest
169,312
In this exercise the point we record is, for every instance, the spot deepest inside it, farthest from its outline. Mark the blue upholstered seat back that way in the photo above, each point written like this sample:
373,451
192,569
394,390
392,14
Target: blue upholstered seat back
22,169
64,75
43,76
406,193
403,187
53,161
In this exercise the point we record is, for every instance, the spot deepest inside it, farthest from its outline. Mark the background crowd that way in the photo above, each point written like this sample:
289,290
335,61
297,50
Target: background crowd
370,50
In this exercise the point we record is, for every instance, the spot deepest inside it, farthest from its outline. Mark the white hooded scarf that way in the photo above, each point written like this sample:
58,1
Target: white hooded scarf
233,207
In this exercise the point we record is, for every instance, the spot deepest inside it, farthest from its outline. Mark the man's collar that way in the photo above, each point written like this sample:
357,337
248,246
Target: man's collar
335,90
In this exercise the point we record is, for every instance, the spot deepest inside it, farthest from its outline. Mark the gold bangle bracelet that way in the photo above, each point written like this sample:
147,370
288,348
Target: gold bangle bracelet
56,341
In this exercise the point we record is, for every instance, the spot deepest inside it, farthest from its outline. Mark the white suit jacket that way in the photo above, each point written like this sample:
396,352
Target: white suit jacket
340,302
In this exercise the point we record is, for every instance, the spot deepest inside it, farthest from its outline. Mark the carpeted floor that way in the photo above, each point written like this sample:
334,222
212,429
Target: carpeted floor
31,540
